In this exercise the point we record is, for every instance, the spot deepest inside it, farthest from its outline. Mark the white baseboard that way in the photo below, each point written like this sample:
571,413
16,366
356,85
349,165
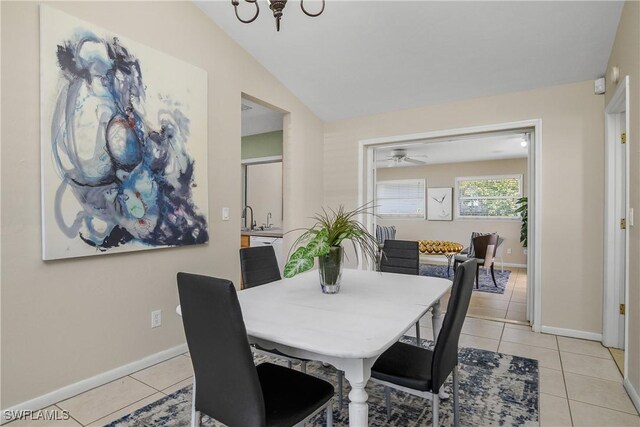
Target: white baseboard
571,333
93,382
442,260
633,393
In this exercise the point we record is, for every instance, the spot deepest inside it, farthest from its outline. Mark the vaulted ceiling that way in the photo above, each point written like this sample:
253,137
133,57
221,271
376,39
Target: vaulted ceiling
365,57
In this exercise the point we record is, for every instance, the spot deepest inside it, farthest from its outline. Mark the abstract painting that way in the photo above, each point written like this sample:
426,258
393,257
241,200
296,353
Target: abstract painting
123,143
439,204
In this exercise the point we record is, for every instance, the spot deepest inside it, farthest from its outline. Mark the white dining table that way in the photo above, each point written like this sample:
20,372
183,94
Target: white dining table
348,330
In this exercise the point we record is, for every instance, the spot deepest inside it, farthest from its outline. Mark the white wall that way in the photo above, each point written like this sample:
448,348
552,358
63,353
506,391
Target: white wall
68,320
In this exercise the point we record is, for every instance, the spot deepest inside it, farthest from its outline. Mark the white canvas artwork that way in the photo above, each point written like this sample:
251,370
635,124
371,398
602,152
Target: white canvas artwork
123,143
439,205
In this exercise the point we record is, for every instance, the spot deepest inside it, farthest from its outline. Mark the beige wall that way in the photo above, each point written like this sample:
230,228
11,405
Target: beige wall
68,320
572,182
626,55
459,230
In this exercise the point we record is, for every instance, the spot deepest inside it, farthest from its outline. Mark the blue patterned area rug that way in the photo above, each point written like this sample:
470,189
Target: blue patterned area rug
495,390
486,282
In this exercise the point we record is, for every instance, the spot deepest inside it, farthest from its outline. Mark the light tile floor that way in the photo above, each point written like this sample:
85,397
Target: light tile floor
510,305
580,384
618,357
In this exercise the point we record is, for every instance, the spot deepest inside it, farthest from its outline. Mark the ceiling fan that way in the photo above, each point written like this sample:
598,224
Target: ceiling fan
399,155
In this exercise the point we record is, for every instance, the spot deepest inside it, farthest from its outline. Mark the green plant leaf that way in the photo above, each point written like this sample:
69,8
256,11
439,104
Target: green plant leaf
319,245
299,262
333,227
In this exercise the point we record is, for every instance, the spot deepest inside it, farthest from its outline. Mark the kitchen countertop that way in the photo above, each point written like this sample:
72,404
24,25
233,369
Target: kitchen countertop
273,232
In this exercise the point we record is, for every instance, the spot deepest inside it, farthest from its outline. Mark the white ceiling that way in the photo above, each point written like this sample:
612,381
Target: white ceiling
495,147
259,119
366,57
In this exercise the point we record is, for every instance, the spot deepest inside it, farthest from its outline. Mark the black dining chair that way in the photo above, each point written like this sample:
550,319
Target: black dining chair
259,266
422,372
484,252
401,256
227,385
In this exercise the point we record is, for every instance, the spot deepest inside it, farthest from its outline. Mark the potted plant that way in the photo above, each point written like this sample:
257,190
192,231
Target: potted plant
523,210
324,241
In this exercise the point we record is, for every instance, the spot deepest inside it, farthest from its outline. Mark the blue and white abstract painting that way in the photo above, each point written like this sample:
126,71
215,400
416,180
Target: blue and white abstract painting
124,143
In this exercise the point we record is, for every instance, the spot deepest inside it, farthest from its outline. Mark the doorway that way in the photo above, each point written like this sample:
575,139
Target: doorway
529,130
262,176
617,219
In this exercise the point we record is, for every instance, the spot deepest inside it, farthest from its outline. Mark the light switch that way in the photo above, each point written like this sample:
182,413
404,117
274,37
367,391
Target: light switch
225,214
630,219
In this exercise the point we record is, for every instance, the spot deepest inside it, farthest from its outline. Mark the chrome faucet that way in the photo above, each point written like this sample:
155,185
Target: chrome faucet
269,220
252,224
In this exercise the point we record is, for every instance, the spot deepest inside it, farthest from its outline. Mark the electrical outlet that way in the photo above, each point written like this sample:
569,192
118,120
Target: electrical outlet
508,251
156,318
225,214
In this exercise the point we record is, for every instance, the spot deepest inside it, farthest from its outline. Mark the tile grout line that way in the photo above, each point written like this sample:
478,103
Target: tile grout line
621,383
501,334
564,380
588,355
162,390
602,407
148,385
70,416
119,409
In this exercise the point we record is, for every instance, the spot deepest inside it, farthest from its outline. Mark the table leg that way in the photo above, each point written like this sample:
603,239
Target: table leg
449,258
358,374
436,321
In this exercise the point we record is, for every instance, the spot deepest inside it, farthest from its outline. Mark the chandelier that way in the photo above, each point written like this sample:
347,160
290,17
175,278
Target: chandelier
277,6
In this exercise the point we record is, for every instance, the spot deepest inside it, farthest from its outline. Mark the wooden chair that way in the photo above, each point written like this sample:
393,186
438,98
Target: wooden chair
484,252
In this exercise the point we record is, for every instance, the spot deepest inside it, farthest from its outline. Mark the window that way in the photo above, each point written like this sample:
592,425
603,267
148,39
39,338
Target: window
400,199
488,196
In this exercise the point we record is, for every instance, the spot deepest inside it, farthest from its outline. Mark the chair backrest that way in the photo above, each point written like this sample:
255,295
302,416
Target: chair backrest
475,234
259,266
485,247
400,256
227,384
445,353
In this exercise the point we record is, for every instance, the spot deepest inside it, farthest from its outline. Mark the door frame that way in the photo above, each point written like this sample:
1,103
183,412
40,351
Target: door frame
366,175
611,336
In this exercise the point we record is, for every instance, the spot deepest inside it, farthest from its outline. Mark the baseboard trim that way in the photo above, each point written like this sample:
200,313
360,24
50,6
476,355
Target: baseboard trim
571,333
633,393
443,260
93,382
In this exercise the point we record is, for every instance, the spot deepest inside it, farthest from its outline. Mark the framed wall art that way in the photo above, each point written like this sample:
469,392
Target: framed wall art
123,143
439,204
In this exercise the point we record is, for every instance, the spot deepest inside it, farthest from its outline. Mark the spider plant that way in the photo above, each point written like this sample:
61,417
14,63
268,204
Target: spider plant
330,230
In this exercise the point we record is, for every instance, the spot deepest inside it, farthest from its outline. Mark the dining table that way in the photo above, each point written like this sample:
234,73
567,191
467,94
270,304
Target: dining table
348,330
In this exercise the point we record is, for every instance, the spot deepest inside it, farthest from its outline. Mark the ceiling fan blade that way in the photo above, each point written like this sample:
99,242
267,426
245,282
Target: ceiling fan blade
413,161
